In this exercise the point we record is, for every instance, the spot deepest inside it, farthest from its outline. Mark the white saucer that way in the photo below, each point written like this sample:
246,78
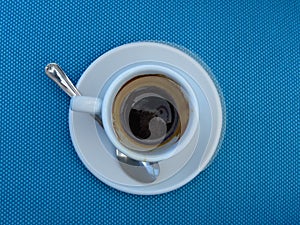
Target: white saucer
98,154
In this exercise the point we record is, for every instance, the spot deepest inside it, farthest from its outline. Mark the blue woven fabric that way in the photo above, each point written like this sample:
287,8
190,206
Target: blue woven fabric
253,50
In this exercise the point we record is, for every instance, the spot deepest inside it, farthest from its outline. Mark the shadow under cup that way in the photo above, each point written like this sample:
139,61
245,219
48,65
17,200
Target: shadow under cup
150,112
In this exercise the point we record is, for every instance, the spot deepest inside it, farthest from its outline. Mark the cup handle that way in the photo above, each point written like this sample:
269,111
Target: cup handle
86,104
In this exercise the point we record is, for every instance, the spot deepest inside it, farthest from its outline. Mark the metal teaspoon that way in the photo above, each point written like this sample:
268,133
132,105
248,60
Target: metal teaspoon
146,172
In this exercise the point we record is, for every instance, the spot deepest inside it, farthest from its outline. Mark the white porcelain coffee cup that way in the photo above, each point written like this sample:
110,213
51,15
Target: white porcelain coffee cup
149,110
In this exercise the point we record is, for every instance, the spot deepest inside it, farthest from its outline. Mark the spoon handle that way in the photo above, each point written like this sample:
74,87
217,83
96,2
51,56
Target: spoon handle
55,73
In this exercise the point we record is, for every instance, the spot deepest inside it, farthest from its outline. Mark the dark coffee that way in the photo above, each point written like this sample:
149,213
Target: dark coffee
150,111
156,112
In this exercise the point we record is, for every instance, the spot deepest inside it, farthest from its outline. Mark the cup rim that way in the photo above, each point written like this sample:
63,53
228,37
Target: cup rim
122,76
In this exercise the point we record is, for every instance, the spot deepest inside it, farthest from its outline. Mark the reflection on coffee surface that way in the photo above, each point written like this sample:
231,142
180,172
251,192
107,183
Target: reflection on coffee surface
150,111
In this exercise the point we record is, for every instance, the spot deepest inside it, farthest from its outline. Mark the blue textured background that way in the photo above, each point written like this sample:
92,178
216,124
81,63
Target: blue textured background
252,48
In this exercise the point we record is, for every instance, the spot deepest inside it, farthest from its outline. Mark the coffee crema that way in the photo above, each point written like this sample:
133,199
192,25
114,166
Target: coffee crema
150,111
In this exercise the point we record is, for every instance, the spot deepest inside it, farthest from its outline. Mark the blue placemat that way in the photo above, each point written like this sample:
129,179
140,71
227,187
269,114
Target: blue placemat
252,48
